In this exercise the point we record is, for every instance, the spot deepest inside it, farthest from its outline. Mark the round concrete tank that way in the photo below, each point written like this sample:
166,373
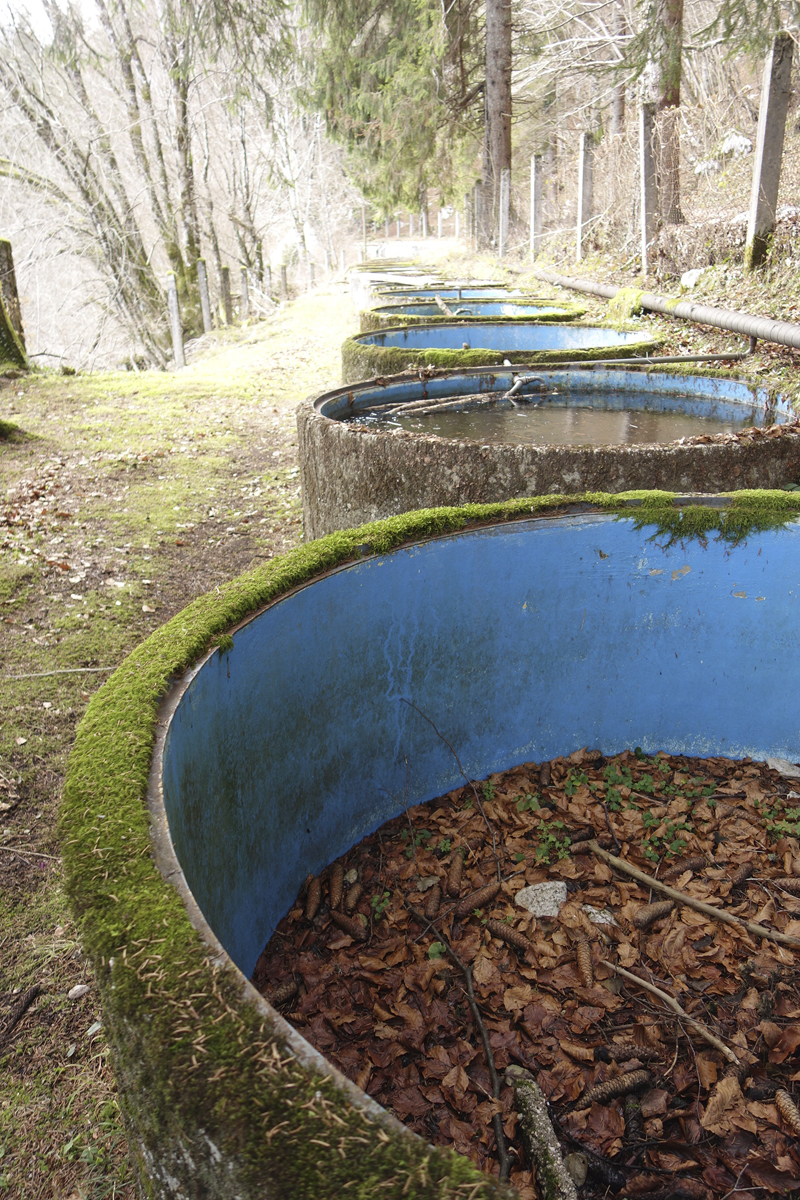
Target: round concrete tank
356,468
263,731
480,344
426,312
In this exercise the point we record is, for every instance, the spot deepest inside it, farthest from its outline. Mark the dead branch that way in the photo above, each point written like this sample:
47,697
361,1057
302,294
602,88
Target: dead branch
679,1011
717,914
541,1144
466,971
18,1012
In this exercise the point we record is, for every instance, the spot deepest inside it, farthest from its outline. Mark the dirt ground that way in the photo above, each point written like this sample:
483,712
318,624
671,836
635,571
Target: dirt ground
125,496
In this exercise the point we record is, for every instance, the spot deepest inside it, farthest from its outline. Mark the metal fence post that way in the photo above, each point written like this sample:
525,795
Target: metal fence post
505,207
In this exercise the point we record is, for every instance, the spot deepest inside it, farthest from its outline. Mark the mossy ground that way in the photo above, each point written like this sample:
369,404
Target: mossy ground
134,494
128,495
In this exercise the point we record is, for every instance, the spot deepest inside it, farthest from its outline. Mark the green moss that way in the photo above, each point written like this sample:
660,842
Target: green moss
9,432
748,512
626,304
361,361
193,1061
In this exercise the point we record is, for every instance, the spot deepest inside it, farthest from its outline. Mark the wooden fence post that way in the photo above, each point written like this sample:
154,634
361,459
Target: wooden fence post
505,207
342,259
458,224
439,223
268,272
423,223
227,303
648,193
410,224
585,190
244,303
284,284
311,275
775,90
468,214
175,321
8,287
536,204
205,302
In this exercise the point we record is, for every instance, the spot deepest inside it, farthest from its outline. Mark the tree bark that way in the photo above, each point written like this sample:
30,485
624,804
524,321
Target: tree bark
497,141
669,52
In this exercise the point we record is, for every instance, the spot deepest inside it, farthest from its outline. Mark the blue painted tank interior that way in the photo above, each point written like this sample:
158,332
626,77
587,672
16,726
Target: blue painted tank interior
471,308
487,292
654,391
512,337
520,641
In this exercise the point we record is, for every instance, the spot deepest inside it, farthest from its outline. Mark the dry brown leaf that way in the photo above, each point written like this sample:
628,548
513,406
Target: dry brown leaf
723,1103
707,1070
516,998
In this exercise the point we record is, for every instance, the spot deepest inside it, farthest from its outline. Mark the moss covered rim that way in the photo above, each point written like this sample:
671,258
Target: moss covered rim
209,1075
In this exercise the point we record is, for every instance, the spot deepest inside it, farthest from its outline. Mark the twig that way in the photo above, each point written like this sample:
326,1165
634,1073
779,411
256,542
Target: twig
59,671
718,914
466,971
466,779
32,853
614,838
679,1011
18,1012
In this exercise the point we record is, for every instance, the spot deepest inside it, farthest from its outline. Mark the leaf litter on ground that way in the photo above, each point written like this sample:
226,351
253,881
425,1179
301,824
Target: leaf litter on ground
629,1086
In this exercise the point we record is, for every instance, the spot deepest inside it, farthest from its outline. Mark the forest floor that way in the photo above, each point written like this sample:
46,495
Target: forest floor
125,496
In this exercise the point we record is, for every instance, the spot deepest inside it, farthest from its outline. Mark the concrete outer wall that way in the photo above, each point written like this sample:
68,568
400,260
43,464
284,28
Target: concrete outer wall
350,476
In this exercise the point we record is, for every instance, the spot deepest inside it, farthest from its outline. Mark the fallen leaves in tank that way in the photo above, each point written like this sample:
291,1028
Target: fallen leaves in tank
391,1010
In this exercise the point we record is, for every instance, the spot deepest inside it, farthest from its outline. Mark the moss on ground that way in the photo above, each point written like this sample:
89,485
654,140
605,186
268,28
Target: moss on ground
189,1054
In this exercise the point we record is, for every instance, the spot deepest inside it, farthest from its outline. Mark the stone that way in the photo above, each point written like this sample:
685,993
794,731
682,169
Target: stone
542,899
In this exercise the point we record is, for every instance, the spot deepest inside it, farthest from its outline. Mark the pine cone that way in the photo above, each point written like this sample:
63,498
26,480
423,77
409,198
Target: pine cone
508,934
645,916
631,1081
454,874
477,900
583,954
313,897
336,884
350,925
433,901
353,896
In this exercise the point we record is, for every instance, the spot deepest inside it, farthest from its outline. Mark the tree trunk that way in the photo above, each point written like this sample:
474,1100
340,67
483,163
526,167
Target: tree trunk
669,51
497,142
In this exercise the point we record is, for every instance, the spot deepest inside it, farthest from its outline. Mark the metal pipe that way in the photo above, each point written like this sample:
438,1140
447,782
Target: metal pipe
767,330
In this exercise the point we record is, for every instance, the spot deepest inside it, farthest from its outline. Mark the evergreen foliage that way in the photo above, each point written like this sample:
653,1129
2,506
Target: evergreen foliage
400,86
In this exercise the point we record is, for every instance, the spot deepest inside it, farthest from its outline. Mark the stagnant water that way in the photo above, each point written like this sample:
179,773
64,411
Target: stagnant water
553,420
